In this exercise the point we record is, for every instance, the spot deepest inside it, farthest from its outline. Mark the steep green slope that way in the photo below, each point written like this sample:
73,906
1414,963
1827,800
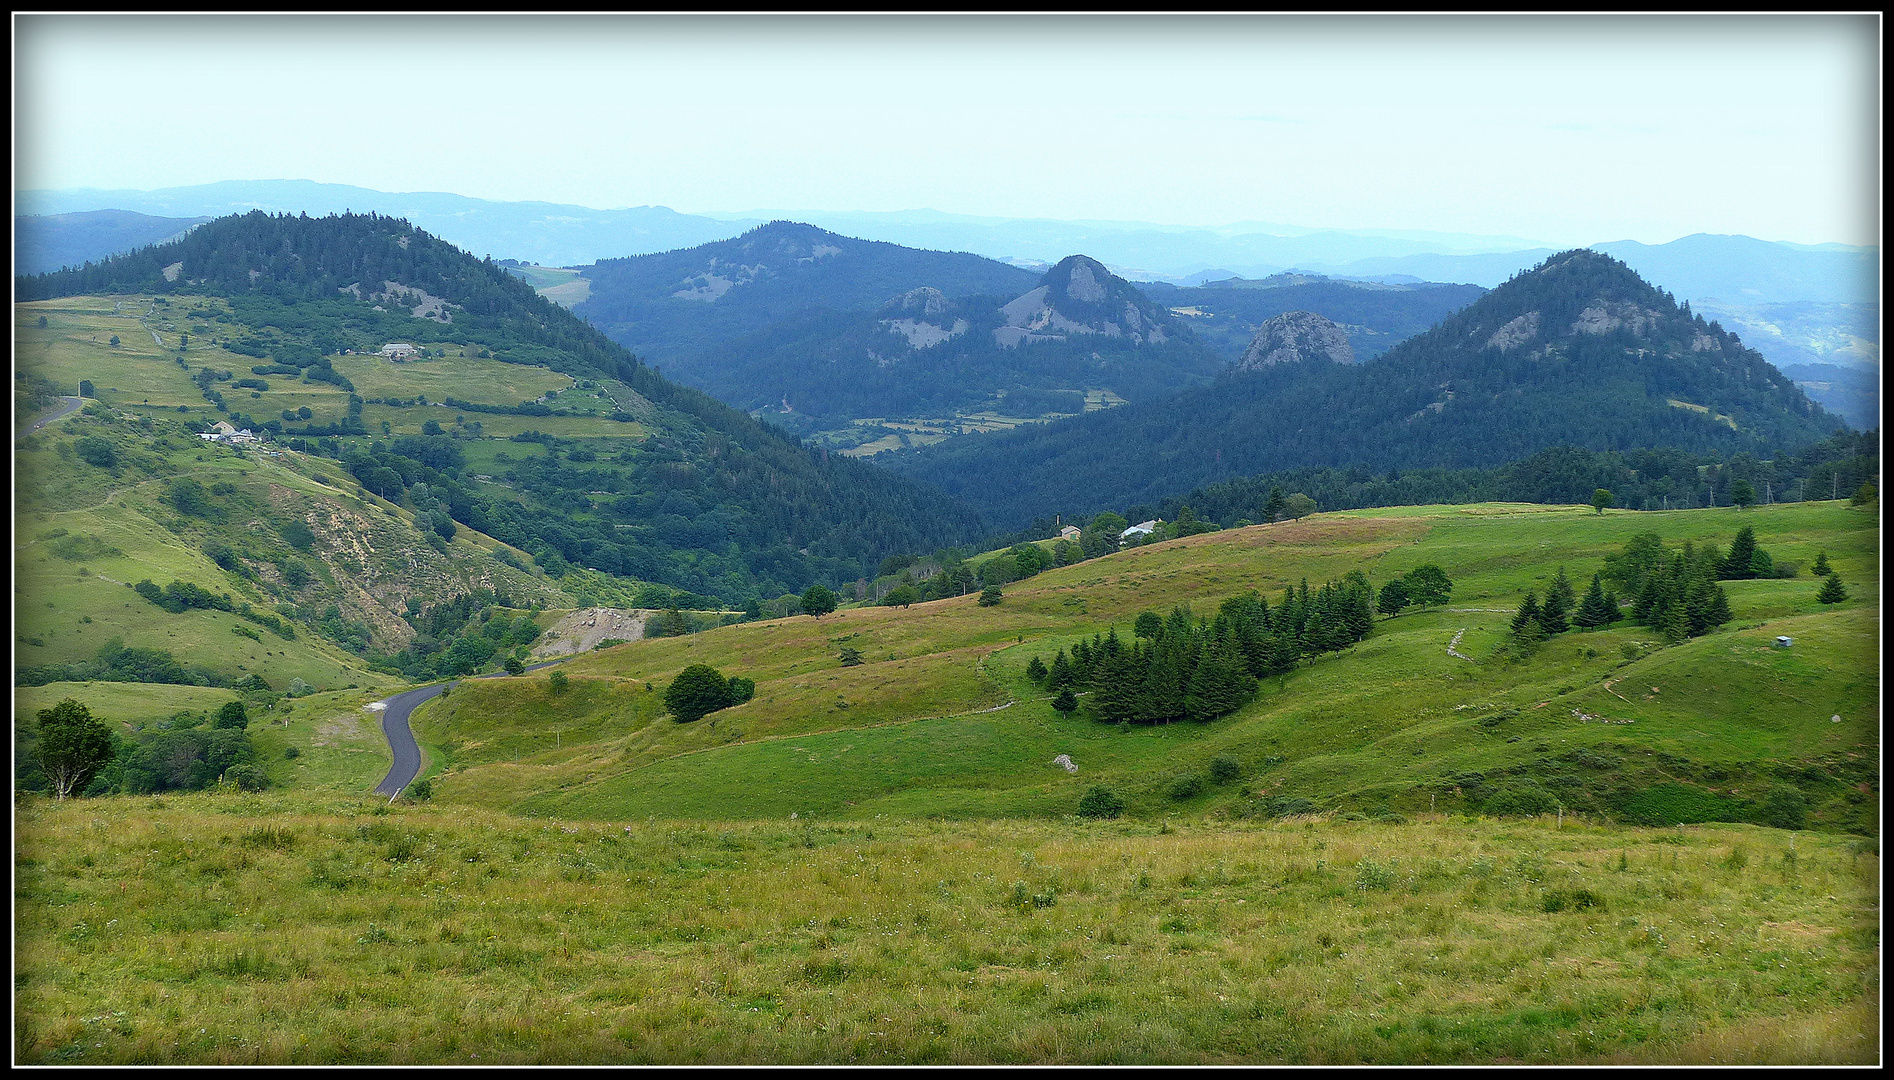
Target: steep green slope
327,572
940,717
640,477
1578,352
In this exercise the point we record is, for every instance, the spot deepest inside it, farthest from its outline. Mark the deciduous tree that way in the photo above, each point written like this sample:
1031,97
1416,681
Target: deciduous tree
817,600
73,746
698,689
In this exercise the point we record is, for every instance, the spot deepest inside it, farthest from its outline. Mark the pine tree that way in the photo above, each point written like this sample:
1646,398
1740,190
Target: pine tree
1060,674
1595,610
1717,611
1675,624
1832,592
1066,702
1554,616
1698,600
1316,637
1084,662
1162,696
1274,507
1219,685
1821,565
1644,608
1527,625
1357,605
1036,669
1393,598
1115,687
1738,565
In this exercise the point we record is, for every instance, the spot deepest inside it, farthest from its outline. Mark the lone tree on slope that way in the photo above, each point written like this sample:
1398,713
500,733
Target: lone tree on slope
817,600
697,690
1832,592
73,746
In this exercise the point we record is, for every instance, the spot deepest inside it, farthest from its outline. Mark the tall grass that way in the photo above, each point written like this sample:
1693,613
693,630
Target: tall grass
264,929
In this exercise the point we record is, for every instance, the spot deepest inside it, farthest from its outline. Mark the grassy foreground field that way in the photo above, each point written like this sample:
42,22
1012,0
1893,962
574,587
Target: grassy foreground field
878,862
284,929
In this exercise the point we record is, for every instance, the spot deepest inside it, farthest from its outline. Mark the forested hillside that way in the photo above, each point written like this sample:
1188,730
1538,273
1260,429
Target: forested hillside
1226,314
1579,352
924,353
668,305
687,492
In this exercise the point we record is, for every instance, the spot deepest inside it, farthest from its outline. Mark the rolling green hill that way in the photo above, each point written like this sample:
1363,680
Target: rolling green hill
522,421
879,862
941,719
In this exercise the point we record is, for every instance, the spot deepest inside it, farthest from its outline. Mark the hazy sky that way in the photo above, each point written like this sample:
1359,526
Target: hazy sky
1567,130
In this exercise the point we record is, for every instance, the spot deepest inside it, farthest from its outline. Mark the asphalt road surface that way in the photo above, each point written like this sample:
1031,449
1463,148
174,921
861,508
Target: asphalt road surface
394,727
71,406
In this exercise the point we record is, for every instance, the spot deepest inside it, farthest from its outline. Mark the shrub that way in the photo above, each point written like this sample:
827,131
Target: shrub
1101,802
1572,900
232,715
96,451
421,790
557,682
1785,808
1224,768
1185,786
1372,875
1521,800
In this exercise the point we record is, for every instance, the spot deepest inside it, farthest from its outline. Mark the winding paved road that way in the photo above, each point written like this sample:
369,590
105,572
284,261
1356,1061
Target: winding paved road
394,727
72,406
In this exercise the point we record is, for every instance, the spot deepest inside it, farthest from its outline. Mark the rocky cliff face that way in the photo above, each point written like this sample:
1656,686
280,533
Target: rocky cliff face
924,316
1080,296
1295,336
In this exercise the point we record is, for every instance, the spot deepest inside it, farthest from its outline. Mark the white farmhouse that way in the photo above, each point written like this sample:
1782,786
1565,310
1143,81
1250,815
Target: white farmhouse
1142,530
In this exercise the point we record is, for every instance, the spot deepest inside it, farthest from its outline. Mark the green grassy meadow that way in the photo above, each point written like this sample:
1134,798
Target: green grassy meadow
880,863
305,929
144,375
940,719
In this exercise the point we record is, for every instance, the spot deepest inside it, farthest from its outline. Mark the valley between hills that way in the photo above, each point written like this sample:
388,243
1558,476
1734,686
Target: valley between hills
1299,771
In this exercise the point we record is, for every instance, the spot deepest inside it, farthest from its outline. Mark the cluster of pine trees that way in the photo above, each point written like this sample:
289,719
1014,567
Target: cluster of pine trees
1563,610
1676,591
1180,668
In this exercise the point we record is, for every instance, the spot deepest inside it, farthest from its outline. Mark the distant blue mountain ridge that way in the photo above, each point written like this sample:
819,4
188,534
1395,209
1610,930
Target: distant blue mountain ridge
1735,269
